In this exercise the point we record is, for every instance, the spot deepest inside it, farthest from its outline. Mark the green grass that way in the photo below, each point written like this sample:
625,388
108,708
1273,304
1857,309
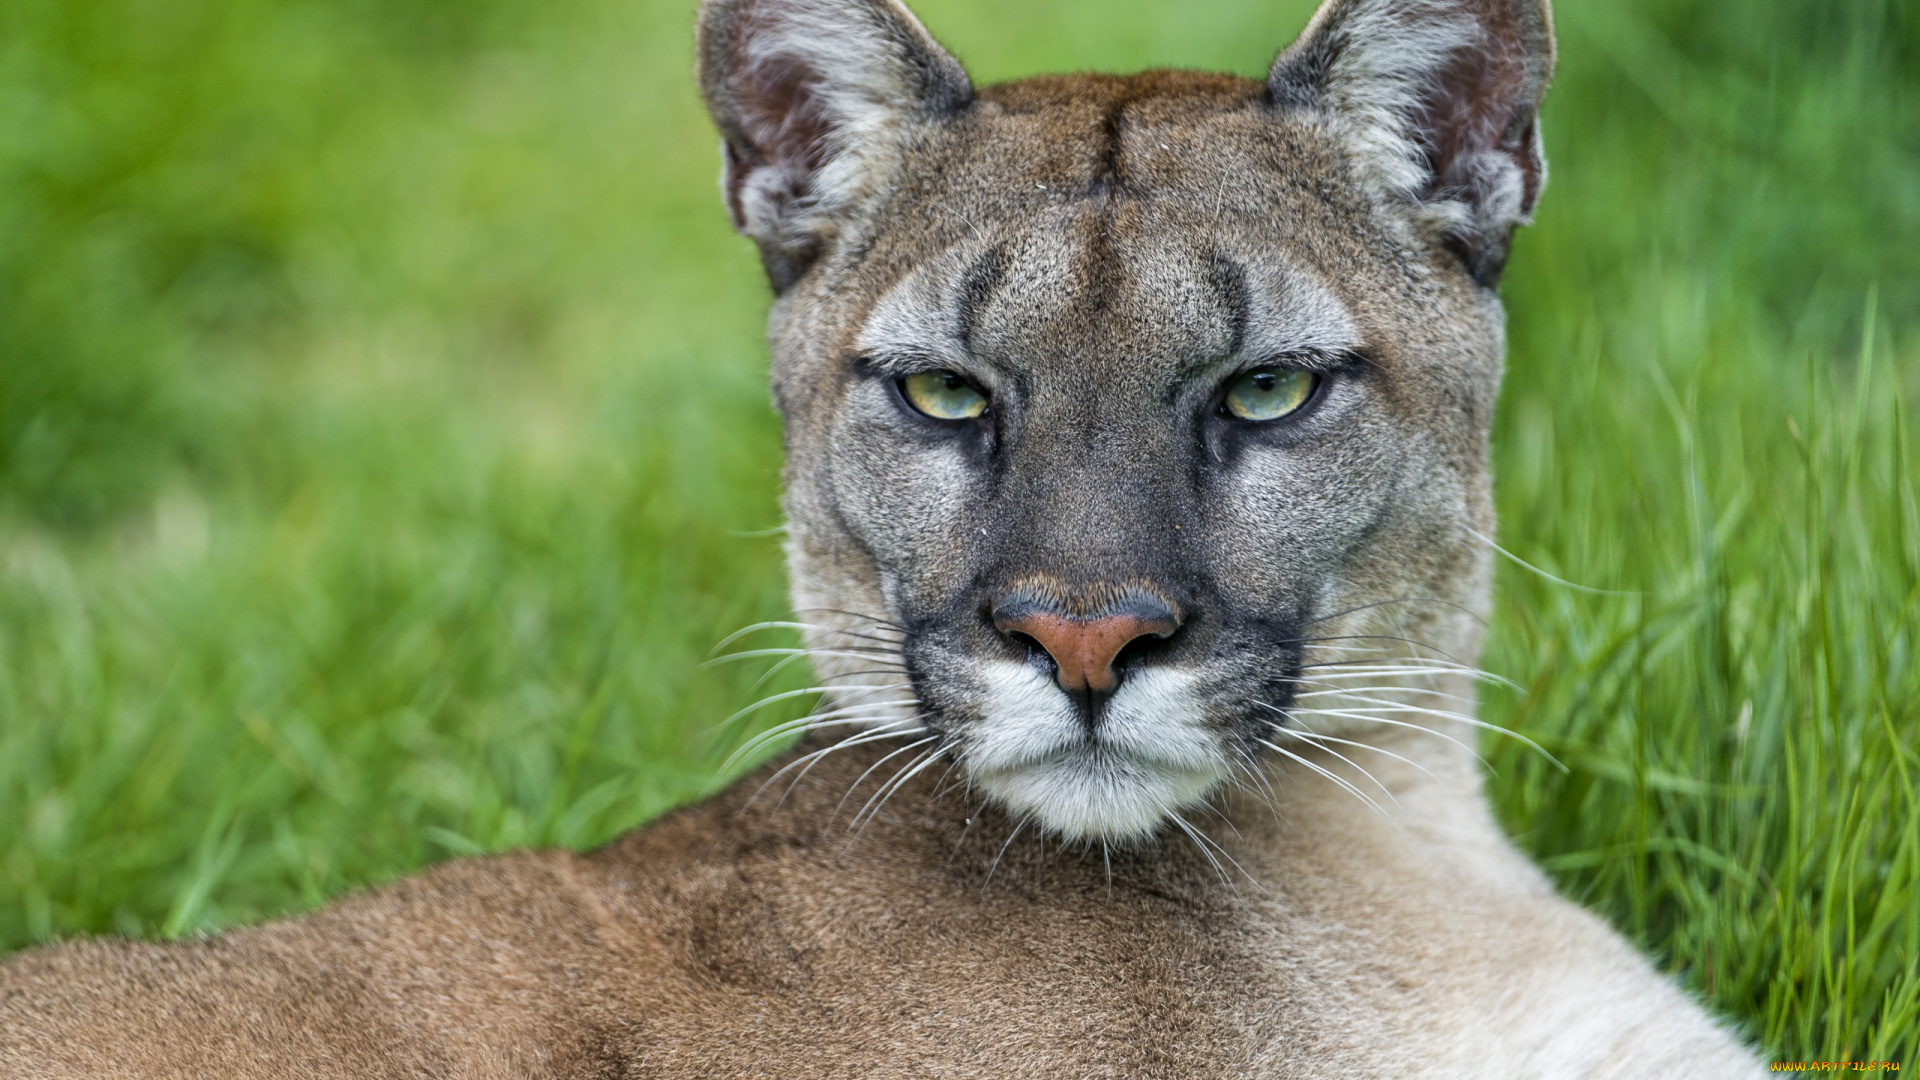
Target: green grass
382,422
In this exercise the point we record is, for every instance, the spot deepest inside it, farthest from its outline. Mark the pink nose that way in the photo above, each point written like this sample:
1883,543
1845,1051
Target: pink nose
1084,649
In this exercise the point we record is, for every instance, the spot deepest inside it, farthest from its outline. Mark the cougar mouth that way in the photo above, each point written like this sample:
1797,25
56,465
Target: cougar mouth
1152,754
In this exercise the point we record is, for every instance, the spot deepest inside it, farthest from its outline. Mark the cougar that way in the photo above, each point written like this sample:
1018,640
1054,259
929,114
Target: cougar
1140,533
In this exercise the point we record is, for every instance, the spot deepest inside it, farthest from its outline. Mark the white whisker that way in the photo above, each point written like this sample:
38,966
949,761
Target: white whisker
807,724
1355,764
1316,737
1369,713
1356,792
869,666
1349,691
791,694
1379,720
874,619
839,710
1021,824
887,790
1202,840
862,778
757,627
1415,642
1350,669
1193,835
814,758
790,654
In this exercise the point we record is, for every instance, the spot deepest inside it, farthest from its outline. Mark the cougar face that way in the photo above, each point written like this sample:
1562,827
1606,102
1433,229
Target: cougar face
1127,414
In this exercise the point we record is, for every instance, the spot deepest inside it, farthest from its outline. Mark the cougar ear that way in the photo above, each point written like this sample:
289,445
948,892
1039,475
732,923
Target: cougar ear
1439,102
815,100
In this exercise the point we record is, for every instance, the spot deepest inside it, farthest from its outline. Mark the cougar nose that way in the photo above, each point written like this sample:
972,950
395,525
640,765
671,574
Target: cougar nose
1083,649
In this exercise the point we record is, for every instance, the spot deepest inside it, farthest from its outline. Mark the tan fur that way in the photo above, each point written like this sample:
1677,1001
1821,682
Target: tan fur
838,914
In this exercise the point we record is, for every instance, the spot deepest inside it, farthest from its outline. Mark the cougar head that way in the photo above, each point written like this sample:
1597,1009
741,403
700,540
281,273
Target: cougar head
1122,412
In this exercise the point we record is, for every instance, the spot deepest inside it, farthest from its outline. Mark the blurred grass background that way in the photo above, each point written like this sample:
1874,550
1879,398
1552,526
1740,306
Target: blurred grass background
382,422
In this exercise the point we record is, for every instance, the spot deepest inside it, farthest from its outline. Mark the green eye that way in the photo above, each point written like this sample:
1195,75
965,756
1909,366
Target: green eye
944,395
1270,393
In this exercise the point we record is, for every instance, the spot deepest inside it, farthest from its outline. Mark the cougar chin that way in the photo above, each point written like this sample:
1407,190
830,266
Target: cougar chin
1150,756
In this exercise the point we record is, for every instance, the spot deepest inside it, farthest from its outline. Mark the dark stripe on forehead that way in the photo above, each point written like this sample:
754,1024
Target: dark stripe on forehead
1107,167
1110,172
1103,276
1229,281
977,287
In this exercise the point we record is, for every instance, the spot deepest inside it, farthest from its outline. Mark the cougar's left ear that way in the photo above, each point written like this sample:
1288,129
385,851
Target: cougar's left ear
816,100
1438,101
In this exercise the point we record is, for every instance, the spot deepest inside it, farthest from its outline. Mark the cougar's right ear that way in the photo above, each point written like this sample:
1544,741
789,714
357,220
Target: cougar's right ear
816,99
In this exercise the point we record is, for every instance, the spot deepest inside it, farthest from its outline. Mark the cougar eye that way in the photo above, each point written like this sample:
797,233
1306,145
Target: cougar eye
943,395
1269,393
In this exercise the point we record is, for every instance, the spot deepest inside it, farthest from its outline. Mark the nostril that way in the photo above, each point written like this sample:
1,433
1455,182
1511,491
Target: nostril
1027,641
1139,649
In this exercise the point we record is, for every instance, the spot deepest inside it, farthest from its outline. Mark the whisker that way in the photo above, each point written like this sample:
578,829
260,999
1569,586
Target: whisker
846,717
1443,714
862,778
851,652
803,725
1352,669
814,758
1363,772
960,841
1386,658
1201,840
940,788
1314,736
1380,720
767,676
1021,824
809,723
821,755
887,791
857,674
838,710
1356,792
1193,835
1487,540
1347,691
1208,806
791,694
1405,706
1321,643
759,626
1415,642
869,668
1401,600
874,619
1245,766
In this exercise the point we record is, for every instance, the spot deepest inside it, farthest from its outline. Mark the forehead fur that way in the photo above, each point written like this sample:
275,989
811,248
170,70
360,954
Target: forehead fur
1096,216
1208,145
